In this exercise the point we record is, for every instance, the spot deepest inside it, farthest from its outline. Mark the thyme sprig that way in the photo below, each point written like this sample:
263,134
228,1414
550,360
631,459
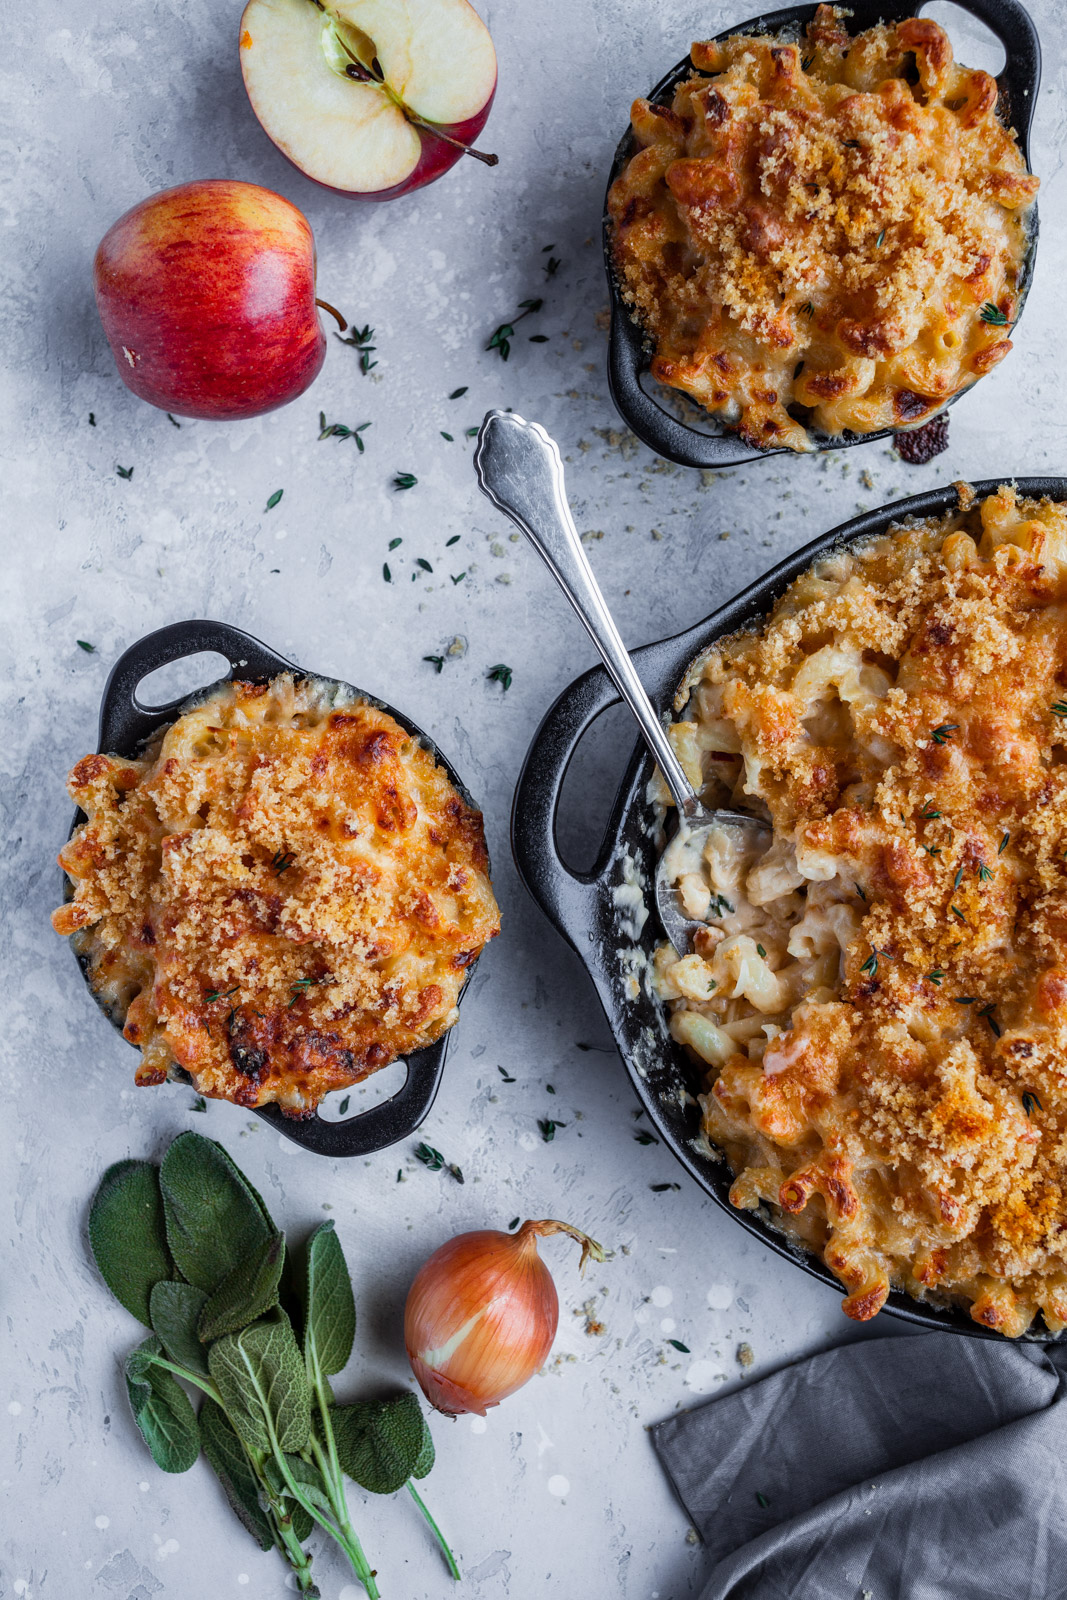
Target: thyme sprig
993,315
941,733
500,339
359,339
339,430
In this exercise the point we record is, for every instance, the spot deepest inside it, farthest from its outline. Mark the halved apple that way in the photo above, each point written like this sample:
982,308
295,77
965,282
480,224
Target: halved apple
371,97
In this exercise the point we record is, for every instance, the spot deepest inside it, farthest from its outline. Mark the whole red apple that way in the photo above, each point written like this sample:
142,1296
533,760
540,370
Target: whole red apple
370,97
207,296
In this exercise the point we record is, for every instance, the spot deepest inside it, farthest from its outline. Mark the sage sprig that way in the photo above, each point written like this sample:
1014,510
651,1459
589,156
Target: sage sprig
191,1251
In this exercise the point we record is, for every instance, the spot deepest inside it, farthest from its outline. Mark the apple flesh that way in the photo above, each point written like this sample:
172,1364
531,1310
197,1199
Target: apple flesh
374,98
207,296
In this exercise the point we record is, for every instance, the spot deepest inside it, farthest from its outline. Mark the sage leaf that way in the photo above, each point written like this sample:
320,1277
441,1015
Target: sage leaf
161,1409
260,1375
176,1309
427,1454
307,1476
249,1291
231,1466
329,1306
127,1235
379,1442
215,1219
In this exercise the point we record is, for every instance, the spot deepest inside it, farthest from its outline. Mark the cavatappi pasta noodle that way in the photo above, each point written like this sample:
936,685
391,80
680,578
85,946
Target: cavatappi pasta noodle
281,897
879,996
824,234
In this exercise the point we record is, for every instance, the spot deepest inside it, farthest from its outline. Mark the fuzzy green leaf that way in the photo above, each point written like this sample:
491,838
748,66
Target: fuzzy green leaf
379,1442
231,1466
260,1375
161,1409
176,1309
215,1219
127,1234
427,1454
307,1476
329,1306
248,1292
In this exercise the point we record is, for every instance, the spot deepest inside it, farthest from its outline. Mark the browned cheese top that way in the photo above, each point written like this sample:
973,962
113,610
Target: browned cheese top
810,232
283,896
883,1009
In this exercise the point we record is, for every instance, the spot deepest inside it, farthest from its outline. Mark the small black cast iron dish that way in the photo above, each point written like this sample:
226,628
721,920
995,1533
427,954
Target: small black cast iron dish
595,910
712,444
126,726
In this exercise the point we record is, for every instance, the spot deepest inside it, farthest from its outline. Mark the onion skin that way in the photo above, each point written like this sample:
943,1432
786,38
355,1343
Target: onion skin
481,1316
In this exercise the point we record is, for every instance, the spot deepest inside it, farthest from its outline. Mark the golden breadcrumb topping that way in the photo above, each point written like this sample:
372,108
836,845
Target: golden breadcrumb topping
827,235
281,897
883,1004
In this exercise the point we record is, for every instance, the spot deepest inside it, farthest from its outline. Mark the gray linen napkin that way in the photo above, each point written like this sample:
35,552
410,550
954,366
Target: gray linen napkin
928,1467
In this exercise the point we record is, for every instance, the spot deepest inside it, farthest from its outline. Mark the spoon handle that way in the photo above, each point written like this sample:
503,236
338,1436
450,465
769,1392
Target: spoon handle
520,469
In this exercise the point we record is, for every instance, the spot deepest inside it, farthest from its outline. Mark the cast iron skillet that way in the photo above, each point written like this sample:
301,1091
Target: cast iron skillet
126,725
583,905
629,354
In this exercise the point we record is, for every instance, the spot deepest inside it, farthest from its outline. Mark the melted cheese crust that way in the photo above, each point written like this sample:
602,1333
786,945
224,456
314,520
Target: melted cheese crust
282,897
882,999
809,234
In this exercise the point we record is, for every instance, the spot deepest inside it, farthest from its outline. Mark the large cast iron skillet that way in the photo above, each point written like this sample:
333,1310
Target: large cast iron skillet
582,905
126,725
711,444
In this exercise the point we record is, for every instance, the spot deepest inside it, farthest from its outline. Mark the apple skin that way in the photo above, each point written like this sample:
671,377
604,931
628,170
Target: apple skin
207,296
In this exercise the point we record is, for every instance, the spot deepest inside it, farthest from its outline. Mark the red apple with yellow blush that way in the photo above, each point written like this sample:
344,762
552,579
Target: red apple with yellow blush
207,296
374,98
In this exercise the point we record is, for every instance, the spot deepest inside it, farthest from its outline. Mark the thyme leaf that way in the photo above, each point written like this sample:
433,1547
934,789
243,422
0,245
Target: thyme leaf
678,1345
282,861
457,393
437,662
993,315
501,337
405,480
499,674
1031,1103
83,644
645,1138
125,472
941,732
274,499
359,339
548,1128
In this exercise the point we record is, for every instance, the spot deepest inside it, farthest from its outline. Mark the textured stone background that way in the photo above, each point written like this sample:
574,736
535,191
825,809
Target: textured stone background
559,1491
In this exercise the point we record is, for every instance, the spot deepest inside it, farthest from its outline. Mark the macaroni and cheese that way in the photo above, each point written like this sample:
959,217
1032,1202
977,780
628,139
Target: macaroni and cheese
824,235
879,995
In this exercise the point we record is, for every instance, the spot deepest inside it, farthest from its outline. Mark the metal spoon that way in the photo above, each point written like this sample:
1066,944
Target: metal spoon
520,469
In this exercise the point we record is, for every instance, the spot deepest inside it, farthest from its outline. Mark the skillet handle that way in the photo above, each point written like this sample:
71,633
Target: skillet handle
125,722
570,900
1021,78
384,1124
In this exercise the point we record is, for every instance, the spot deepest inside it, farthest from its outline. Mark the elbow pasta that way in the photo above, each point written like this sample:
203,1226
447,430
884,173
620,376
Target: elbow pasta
880,1000
824,236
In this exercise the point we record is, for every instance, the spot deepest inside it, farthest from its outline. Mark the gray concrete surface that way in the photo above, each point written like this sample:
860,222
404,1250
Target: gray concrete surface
558,1492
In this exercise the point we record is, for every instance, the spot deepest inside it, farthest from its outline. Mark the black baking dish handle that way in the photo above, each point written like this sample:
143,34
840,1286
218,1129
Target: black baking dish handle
125,725
575,902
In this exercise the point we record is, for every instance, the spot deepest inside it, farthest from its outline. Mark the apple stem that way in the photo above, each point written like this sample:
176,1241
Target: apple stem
326,306
357,70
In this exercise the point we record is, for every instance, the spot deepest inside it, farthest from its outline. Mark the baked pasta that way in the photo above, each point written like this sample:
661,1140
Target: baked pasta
824,235
282,896
879,996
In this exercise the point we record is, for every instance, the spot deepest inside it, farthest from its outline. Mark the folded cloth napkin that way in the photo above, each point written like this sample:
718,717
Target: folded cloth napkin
927,1467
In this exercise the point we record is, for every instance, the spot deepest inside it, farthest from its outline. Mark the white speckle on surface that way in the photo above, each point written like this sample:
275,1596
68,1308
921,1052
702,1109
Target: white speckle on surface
478,1425
667,1325
166,1547
529,1141
14,1409
242,1577
702,1376
20,1586
144,1486
642,1315
661,1295
720,1297
103,1522
558,1485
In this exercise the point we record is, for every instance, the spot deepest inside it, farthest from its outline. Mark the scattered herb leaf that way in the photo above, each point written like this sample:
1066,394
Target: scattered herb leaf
454,540
447,436
405,480
174,420
993,315
678,1345
386,574
437,662
1031,1103
420,561
458,577
514,1222
429,1157
548,1128
83,644
1003,844
880,241
760,951
941,732
936,976
762,1500
645,1138
457,393
505,1076
274,499
343,1107
500,674
359,339
125,472
282,861
199,1104
501,337
661,1188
